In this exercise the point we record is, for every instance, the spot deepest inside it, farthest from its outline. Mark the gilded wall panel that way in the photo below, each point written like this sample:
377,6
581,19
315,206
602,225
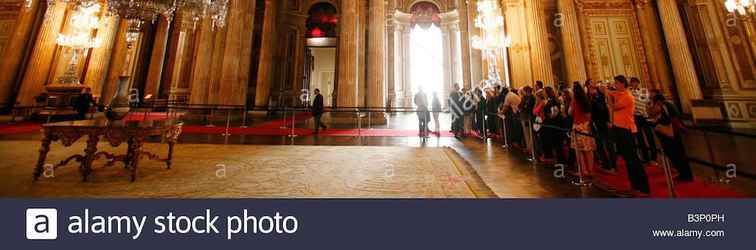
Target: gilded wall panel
611,34
8,15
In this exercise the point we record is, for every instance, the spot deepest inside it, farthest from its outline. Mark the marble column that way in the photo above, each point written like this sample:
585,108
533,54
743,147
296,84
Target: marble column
99,62
398,61
539,42
476,57
682,61
376,53
406,67
40,62
456,55
451,55
573,47
348,39
200,78
401,57
18,44
237,53
659,71
118,62
179,48
157,59
464,42
448,75
362,59
389,58
716,43
267,51
519,52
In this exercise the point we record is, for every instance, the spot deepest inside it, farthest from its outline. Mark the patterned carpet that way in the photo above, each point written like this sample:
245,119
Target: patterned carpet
220,171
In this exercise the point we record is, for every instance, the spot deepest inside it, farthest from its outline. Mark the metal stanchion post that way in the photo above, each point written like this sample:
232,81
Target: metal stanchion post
244,118
504,132
13,117
284,117
579,157
210,118
228,124
668,175
359,125
293,124
484,133
370,117
531,134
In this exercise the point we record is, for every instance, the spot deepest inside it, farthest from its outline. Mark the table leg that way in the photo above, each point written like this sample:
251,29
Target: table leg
39,169
136,154
86,165
169,160
129,153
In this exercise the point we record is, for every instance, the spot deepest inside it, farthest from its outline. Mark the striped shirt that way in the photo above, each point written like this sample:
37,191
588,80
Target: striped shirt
641,102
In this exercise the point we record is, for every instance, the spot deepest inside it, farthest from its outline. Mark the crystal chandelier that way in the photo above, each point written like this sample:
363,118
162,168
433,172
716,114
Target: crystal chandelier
150,10
136,12
492,38
79,38
742,7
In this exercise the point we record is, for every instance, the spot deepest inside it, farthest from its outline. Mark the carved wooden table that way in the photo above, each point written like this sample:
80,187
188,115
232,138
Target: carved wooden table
115,133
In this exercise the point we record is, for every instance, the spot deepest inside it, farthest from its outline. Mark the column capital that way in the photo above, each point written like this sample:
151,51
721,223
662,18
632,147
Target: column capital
512,3
642,3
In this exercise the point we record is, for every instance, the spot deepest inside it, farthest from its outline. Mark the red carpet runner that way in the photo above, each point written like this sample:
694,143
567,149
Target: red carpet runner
657,182
20,128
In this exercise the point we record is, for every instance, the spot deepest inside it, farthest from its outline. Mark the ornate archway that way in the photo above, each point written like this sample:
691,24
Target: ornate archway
321,39
424,14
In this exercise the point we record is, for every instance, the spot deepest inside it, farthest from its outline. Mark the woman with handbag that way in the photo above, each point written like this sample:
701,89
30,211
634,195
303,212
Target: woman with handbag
669,130
553,137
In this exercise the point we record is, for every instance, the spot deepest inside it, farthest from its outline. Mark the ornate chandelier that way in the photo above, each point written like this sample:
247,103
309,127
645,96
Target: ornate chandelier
149,10
492,38
490,21
742,7
136,12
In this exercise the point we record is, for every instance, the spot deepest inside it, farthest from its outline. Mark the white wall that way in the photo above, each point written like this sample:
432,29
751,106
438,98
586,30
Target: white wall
323,72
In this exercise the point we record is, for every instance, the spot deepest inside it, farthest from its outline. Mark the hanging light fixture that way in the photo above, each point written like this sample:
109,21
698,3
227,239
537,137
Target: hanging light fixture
742,7
492,38
136,12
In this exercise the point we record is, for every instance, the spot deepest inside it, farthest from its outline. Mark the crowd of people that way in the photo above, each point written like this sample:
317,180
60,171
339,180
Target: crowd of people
586,124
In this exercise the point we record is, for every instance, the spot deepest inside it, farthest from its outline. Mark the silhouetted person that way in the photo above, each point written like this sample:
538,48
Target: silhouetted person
455,103
423,116
436,109
83,103
317,111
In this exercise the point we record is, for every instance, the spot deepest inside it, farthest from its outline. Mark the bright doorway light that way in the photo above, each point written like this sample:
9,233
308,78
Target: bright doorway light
426,63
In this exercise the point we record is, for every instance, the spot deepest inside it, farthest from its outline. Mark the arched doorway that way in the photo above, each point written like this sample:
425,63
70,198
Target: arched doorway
426,50
320,50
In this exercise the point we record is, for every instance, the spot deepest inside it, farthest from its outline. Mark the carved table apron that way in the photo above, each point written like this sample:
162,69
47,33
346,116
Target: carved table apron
115,133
